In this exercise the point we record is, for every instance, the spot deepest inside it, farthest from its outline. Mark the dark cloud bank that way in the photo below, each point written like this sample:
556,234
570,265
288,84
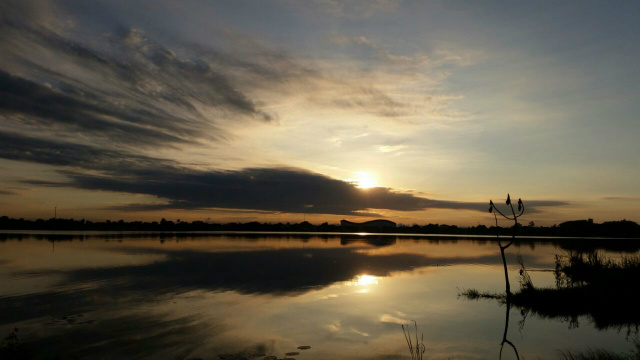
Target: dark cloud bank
269,189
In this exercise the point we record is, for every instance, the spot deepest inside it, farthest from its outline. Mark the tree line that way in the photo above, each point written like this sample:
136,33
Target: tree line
578,228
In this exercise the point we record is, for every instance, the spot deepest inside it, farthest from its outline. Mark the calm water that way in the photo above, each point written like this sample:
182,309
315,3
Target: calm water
166,297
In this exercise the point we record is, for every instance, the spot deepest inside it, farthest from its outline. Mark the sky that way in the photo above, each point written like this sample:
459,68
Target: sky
286,110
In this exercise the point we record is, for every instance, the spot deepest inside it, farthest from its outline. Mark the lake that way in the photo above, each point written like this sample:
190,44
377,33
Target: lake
213,296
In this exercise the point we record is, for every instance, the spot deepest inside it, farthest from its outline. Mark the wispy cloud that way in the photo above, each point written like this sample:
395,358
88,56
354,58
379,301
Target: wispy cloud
387,318
128,89
621,198
391,148
357,8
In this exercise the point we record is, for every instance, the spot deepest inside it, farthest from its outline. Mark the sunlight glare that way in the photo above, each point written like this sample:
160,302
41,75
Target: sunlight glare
365,180
364,280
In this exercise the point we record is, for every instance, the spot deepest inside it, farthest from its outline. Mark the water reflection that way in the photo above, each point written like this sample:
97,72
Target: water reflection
590,285
278,272
506,298
375,240
628,245
198,297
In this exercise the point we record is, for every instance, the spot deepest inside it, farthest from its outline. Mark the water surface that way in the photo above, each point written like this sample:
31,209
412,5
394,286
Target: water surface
167,296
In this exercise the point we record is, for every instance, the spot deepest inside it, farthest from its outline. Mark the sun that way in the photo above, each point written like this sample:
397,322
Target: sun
364,280
365,180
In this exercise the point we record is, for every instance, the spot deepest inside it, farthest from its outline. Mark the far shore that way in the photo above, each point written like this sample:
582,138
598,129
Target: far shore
623,229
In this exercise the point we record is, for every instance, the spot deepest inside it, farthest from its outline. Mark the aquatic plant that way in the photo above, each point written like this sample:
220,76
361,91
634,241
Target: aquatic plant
601,354
524,278
11,348
591,354
473,294
588,284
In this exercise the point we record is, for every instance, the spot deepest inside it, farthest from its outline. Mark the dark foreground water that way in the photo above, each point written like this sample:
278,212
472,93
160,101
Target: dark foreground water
146,296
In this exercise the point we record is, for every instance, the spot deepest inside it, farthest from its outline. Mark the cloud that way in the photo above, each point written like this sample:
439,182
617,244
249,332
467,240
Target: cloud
387,318
272,189
35,103
373,49
269,189
46,151
370,100
128,86
96,104
412,63
621,198
410,83
357,8
124,88
391,148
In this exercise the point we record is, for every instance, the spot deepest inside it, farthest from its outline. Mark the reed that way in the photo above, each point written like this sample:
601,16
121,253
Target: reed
418,349
597,354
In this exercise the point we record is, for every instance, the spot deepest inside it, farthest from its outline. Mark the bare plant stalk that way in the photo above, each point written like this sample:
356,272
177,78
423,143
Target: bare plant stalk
417,351
515,217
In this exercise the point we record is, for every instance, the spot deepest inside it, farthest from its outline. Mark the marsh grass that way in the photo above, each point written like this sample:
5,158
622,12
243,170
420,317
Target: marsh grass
591,354
587,284
600,354
473,294
524,278
11,348
594,268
